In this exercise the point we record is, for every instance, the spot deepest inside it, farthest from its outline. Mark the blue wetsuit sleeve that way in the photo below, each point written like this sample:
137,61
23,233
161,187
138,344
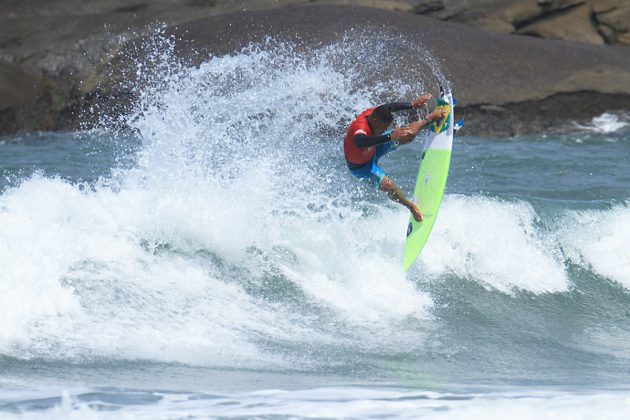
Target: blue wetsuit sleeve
397,106
362,141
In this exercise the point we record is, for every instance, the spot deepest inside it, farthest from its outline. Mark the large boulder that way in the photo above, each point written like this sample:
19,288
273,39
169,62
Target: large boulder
613,20
61,58
510,84
573,24
28,101
589,21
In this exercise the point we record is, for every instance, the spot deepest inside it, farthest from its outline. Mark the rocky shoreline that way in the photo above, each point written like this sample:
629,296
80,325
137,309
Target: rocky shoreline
591,21
61,59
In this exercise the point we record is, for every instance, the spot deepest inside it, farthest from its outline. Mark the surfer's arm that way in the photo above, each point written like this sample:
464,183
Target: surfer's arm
362,141
397,106
402,106
402,135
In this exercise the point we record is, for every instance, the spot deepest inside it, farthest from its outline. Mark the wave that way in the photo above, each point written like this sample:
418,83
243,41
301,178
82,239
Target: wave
606,123
598,241
500,244
144,274
87,403
234,241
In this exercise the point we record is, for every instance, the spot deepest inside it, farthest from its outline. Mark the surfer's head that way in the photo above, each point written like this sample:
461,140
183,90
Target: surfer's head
380,119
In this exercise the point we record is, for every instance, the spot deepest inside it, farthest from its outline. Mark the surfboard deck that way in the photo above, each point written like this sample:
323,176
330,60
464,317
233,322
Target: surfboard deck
431,181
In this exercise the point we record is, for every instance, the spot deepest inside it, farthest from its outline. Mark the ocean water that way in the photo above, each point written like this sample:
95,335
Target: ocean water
209,255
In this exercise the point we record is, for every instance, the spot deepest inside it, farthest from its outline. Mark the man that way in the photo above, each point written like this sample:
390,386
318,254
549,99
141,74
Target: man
367,141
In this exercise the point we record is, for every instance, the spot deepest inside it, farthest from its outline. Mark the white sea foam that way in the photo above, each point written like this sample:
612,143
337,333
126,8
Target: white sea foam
179,258
346,403
83,274
605,123
235,229
496,243
600,241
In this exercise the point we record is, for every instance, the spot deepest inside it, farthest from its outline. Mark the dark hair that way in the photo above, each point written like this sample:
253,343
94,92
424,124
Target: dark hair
383,114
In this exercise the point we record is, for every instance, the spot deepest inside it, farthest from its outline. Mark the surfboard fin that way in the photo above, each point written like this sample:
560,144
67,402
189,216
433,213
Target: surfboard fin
458,125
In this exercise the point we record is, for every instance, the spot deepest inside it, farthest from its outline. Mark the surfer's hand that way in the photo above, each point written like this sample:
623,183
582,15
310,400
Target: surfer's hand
417,214
416,126
421,101
403,135
438,114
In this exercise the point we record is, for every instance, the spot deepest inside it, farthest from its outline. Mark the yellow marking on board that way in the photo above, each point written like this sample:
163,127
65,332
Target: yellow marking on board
438,128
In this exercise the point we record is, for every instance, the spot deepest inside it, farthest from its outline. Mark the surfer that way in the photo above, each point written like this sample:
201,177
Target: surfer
369,138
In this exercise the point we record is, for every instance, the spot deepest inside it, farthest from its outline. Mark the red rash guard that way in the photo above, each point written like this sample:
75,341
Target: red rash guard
359,145
355,155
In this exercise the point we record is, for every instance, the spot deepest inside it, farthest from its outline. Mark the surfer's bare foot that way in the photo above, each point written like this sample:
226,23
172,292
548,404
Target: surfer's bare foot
416,213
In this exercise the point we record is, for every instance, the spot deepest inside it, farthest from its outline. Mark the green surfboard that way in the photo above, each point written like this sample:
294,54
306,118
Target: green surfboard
431,181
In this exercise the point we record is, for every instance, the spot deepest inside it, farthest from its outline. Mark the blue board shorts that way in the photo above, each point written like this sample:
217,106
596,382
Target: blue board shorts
371,172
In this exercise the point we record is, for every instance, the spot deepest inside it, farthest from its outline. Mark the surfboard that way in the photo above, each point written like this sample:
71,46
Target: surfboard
431,181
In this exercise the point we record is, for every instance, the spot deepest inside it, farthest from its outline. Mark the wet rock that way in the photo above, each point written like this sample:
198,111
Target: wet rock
27,101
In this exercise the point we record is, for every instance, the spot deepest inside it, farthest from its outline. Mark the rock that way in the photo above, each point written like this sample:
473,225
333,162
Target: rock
524,13
604,6
520,13
57,65
555,5
489,71
500,26
608,33
529,17
27,101
613,20
427,7
572,25
401,6
492,108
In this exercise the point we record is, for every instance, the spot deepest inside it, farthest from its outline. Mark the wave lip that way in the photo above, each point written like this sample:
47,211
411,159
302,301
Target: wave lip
496,243
599,241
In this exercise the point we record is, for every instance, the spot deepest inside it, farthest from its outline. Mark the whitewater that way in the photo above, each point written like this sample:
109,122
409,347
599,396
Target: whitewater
208,254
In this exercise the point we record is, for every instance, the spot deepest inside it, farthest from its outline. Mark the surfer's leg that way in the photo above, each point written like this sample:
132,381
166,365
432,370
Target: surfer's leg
395,194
